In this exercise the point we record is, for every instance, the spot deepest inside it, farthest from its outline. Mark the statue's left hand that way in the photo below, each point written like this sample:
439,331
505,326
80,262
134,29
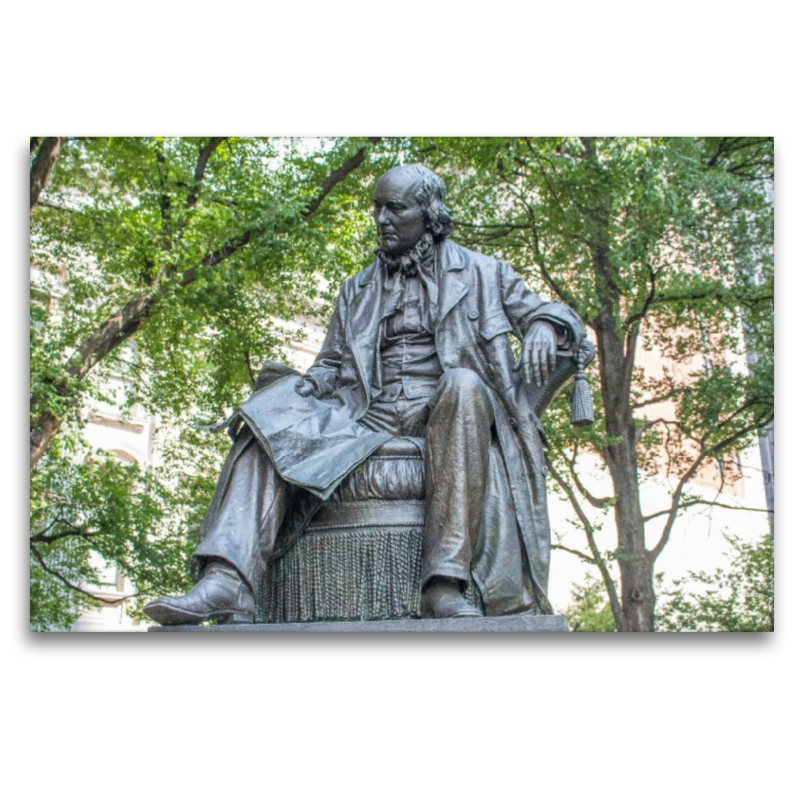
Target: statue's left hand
538,356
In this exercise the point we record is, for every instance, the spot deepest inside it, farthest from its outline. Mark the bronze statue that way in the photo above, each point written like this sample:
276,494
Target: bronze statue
418,350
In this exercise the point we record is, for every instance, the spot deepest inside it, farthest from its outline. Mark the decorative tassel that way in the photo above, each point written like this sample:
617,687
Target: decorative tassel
582,407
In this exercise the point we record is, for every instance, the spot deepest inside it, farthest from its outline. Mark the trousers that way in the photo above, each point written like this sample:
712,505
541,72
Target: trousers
456,420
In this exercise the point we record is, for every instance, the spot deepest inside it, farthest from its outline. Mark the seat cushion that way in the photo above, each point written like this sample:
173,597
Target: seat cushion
394,472
407,447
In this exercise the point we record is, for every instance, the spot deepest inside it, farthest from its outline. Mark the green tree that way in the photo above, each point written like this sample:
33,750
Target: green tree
171,256
656,243
740,597
100,509
589,610
737,597
167,262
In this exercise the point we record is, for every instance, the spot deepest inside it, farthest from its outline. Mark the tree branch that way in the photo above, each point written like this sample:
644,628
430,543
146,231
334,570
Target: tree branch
218,256
578,553
250,369
54,206
705,452
660,398
200,170
43,535
597,502
75,588
42,167
238,242
647,301
631,338
546,177
165,201
111,334
721,149
562,292
714,293
608,581
761,422
700,502
337,176
127,321
660,421
672,513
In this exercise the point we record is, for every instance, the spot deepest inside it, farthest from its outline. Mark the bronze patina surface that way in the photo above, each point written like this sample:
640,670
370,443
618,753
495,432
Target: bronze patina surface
417,352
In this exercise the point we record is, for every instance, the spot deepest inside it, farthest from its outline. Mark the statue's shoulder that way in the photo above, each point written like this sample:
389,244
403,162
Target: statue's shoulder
460,256
356,282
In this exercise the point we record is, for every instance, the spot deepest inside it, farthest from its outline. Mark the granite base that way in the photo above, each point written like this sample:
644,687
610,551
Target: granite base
521,624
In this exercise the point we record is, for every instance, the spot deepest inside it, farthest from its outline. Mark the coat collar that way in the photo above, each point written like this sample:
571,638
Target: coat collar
451,259
452,256
372,272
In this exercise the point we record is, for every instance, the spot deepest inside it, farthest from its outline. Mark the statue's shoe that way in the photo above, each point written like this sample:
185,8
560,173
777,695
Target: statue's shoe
446,603
220,596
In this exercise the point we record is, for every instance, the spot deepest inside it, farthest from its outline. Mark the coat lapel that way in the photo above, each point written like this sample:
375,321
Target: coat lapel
451,288
363,320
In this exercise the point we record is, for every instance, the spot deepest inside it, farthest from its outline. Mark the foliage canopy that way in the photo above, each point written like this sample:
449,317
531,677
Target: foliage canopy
166,265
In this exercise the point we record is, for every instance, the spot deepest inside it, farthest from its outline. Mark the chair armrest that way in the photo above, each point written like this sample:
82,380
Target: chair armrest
564,373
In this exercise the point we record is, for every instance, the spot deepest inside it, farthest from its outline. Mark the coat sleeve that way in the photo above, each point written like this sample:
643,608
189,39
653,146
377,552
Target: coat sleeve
524,307
325,369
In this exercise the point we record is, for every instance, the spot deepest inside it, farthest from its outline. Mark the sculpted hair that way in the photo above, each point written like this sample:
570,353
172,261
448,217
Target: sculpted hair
430,196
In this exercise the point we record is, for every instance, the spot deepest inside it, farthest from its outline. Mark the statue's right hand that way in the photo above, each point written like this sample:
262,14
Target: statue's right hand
304,388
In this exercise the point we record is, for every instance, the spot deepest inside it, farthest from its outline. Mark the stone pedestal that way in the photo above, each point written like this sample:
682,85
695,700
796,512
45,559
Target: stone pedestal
521,624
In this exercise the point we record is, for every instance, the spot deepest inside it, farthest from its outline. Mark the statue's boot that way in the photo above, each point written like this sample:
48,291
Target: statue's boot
442,598
221,595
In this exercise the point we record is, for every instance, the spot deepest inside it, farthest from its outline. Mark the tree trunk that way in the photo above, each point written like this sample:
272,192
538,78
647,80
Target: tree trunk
118,328
46,427
42,167
616,351
111,334
636,567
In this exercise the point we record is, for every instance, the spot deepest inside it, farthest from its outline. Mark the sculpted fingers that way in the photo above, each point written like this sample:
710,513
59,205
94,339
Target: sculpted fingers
546,351
521,362
547,359
539,364
538,356
527,356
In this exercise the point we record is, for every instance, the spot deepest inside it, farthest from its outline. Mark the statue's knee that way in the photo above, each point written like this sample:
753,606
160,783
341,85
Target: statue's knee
462,379
461,384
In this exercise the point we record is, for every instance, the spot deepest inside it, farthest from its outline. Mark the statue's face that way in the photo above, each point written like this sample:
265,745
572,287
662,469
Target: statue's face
398,215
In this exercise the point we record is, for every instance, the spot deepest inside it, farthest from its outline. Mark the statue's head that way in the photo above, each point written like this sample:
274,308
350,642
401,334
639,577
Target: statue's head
409,201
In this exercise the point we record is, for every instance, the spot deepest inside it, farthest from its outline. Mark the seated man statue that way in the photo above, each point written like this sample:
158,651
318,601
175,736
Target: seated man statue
417,348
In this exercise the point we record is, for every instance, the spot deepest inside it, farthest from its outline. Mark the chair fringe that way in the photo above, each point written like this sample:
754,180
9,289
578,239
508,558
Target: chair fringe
347,574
